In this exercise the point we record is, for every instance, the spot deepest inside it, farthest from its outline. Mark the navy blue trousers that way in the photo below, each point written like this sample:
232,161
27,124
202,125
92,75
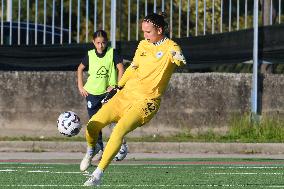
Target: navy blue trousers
93,105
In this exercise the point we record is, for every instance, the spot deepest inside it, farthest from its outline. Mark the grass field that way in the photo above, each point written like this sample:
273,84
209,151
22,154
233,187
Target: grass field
171,174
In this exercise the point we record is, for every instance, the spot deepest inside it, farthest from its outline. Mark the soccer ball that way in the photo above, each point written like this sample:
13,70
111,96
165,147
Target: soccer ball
68,124
121,153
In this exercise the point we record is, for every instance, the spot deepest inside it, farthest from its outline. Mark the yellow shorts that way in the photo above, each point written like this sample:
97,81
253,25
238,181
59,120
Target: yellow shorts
127,113
122,106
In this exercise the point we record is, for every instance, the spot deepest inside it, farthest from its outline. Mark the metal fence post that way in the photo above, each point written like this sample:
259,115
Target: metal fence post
9,18
137,20
70,21
28,22
36,15
113,23
87,22
254,94
19,20
78,21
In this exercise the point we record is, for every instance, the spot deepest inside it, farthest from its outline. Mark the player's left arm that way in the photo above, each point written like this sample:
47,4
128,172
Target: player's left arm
120,71
118,63
110,94
129,72
176,56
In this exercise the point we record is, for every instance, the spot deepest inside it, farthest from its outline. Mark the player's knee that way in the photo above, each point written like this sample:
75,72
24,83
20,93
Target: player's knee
118,134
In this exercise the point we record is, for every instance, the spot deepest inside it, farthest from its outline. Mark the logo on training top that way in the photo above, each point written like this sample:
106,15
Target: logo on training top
159,54
143,54
102,72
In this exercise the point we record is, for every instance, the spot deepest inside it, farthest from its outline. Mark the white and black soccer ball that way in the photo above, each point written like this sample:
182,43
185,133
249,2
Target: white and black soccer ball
68,124
122,153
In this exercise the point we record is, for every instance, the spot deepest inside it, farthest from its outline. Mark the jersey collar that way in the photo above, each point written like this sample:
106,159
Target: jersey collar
160,42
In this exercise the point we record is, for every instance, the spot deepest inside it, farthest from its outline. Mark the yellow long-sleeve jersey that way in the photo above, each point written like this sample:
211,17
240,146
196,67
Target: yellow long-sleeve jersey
137,103
151,70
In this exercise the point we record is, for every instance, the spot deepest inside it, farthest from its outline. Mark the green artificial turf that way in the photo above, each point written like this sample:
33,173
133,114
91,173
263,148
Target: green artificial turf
171,174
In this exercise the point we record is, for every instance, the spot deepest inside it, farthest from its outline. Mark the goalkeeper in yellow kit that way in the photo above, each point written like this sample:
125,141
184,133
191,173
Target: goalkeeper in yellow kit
138,99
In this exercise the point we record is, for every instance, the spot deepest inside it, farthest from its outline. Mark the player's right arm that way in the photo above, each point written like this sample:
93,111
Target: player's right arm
129,72
80,84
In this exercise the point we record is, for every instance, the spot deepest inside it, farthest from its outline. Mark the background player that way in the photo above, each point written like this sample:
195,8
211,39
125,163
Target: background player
105,68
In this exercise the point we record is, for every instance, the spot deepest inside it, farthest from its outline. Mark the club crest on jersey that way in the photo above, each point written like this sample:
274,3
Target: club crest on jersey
159,54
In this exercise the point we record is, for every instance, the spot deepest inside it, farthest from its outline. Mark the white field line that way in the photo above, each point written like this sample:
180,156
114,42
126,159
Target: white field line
34,163
149,186
26,167
168,167
7,170
56,172
37,165
43,171
219,167
243,173
244,167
